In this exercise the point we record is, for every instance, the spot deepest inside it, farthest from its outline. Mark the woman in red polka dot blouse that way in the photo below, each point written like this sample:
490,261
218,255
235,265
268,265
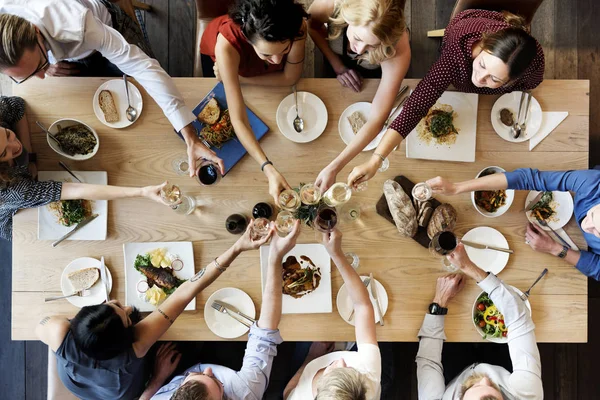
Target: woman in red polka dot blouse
484,52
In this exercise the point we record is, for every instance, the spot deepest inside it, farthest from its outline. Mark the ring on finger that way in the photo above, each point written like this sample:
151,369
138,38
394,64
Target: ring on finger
526,241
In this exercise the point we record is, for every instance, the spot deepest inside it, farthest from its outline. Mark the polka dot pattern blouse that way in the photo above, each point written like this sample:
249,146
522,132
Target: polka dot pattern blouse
455,66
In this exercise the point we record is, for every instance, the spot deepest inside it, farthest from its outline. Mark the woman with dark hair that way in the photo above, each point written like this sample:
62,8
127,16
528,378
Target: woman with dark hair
260,42
484,52
100,352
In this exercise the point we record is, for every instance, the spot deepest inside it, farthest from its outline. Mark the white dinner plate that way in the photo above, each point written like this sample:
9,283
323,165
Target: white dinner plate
563,207
117,88
319,301
345,306
224,325
48,226
493,339
313,112
97,292
511,101
345,129
488,260
182,250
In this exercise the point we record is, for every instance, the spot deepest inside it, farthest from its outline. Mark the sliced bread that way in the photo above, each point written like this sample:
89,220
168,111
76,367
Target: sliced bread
108,107
210,113
83,278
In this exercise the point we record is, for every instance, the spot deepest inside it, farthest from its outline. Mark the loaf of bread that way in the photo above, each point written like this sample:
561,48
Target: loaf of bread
83,278
210,113
108,107
443,219
401,208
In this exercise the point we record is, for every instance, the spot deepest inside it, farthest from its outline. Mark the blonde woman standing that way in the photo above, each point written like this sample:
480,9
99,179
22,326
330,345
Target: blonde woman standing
362,37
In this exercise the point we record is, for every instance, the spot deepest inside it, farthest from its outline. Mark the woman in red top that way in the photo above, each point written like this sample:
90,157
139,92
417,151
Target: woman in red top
260,42
484,52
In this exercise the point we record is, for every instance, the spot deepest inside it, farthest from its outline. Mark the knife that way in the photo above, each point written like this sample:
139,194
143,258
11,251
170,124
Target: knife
374,294
486,247
234,310
64,166
80,225
533,202
104,278
402,90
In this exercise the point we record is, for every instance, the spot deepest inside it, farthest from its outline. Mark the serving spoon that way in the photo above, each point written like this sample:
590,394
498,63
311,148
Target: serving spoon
298,122
130,112
49,134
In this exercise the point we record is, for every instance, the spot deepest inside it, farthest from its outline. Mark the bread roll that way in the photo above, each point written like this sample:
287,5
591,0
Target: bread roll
443,219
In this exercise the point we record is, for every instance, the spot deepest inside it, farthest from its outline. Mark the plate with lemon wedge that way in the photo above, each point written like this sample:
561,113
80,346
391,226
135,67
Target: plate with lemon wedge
153,271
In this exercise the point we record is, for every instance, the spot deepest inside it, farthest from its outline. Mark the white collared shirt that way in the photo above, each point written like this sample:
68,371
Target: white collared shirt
73,29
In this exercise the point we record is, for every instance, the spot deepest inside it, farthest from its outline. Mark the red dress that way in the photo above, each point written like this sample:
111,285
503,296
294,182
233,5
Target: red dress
455,66
250,63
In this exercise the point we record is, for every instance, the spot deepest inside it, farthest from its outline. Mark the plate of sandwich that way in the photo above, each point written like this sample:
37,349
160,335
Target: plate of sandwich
84,273
110,103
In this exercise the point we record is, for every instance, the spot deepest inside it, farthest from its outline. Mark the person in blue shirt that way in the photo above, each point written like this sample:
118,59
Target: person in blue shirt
584,183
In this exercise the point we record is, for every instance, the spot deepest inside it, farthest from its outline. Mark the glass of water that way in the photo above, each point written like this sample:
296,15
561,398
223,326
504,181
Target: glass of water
353,259
180,165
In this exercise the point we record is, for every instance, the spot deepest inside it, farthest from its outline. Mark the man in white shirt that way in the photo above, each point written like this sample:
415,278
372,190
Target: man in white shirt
36,34
479,381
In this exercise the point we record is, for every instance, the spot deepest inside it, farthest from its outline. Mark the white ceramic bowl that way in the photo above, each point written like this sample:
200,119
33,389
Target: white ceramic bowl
510,196
65,122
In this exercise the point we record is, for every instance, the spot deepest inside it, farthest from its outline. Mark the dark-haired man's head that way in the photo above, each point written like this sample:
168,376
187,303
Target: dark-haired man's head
106,330
199,386
270,26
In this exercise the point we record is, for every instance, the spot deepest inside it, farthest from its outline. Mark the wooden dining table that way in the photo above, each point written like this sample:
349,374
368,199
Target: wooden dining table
142,154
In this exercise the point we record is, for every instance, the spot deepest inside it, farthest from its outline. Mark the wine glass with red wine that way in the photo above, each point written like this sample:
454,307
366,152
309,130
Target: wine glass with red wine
442,245
325,219
208,174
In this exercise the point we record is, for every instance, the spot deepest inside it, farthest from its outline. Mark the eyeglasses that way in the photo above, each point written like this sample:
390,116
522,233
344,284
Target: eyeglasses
40,68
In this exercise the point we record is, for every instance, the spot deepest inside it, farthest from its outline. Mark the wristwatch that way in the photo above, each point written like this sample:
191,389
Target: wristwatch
436,309
563,253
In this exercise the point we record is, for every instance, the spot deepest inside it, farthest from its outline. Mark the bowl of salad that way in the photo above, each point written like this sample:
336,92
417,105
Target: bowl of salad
489,321
492,203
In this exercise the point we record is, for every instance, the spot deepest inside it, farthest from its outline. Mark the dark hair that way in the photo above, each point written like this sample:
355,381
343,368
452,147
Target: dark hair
192,390
99,332
514,46
271,20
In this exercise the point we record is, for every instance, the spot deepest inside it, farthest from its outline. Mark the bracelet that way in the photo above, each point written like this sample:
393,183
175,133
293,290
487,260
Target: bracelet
218,266
380,156
262,167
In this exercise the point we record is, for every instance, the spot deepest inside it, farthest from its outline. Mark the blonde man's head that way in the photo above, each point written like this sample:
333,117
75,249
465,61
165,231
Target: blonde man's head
342,384
16,35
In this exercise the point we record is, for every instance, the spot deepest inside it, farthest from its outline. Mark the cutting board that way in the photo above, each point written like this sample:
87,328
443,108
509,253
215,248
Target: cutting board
232,151
383,210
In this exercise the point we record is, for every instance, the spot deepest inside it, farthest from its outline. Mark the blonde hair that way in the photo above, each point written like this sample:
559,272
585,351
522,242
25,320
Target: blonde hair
342,384
384,17
16,35
472,380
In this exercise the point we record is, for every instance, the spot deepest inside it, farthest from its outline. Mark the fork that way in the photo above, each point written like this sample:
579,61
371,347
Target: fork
366,283
525,295
545,224
223,310
80,293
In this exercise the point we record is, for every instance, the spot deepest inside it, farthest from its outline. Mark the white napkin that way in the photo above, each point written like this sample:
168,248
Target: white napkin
550,120
567,238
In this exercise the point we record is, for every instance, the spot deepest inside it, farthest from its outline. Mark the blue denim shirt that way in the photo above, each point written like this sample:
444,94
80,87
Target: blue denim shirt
248,383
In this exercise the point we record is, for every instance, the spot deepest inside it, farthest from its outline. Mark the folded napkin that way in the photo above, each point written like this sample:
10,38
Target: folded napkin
550,120
567,238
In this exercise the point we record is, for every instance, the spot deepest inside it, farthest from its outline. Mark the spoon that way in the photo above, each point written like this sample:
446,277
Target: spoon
516,129
48,133
131,112
298,122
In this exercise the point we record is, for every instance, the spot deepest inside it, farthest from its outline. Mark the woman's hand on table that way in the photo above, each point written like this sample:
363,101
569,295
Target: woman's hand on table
364,171
248,242
277,182
540,240
349,78
280,246
442,186
326,178
461,259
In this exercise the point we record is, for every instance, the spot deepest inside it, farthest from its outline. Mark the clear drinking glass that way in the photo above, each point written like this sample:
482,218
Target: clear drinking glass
261,228
284,222
310,194
385,164
338,194
180,165
422,191
361,187
208,173
353,260
289,200
170,194
442,245
186,207
325,219
350,211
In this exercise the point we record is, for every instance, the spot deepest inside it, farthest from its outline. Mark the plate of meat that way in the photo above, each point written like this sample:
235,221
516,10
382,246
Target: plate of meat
154,270
306,279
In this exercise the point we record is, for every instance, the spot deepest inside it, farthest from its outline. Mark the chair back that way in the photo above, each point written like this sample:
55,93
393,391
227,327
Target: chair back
524,8
209,9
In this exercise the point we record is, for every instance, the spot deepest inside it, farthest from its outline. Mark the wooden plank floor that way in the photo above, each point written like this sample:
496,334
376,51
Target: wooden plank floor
570,35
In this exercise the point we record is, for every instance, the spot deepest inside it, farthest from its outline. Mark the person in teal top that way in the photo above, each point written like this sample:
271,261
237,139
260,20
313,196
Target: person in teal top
584,183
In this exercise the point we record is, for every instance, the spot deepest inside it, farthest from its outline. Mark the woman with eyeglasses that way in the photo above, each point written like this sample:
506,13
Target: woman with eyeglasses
484,52
260,42
18,187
